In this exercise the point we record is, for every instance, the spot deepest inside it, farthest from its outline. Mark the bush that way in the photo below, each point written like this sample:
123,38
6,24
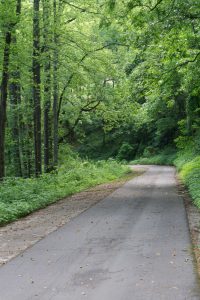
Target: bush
189,167
149,151
126,152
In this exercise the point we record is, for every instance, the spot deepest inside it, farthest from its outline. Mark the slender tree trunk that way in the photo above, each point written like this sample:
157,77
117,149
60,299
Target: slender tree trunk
27,131
15,95
36,88
27,146
47,87
55,84
15,100
188,116
28,153
3,101
47,123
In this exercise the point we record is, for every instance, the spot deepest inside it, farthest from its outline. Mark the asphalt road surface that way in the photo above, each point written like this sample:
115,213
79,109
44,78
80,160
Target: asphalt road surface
134,245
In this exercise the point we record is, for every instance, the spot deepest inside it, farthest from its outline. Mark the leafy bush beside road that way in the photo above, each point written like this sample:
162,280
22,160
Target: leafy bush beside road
188,165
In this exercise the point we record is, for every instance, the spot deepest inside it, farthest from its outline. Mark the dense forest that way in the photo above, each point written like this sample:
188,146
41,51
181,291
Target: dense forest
89,80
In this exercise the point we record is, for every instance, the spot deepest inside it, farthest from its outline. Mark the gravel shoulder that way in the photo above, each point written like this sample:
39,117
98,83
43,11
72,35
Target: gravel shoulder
20,235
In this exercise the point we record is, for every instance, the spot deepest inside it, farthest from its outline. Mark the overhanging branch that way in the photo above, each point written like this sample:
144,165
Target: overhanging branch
81,60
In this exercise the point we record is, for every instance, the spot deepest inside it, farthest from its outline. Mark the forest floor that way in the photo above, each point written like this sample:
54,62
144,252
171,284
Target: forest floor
25,232
134,242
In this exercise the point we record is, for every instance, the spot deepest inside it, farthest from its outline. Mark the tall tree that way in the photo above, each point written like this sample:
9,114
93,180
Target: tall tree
3,99
8,28
37,87
56,13
15,99
47,86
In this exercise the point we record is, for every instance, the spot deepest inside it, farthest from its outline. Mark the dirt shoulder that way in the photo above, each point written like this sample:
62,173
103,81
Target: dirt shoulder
193,214
19,235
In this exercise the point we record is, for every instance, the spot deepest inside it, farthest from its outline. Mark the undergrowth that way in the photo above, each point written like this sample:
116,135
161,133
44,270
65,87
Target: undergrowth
164,157
19,197
190,175
188,165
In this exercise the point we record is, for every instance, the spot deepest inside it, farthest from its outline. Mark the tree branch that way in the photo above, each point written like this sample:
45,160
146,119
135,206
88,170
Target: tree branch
156,5
62,94
187,61
70,20
82,9
87,107
73,74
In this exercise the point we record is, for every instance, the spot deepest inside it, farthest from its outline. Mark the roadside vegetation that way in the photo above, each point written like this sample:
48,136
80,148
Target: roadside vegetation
162,157
190,174
19,197
188,165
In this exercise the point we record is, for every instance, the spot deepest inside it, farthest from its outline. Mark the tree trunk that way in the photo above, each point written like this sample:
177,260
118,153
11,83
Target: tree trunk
15,100
55,85
36,88
3,101
47,88
15,95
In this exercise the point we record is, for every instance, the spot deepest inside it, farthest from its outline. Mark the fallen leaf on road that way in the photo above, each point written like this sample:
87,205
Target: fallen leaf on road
174,253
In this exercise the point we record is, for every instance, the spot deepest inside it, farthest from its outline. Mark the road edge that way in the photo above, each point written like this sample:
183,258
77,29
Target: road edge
193,216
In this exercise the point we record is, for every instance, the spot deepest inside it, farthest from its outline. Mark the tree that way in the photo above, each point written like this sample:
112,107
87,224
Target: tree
47,86
9,25
15,99
36,87
56,14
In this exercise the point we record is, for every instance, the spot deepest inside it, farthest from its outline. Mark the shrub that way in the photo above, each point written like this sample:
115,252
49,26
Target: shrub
126,152
190,175
149,151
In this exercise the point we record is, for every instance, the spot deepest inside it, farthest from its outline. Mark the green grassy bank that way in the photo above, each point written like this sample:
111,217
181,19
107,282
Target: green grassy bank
19,197
188,166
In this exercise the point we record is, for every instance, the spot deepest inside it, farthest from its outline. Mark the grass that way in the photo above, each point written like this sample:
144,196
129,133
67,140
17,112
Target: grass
188,166
19,197
189,170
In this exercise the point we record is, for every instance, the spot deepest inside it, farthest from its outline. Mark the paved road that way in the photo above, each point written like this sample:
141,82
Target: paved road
134,245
